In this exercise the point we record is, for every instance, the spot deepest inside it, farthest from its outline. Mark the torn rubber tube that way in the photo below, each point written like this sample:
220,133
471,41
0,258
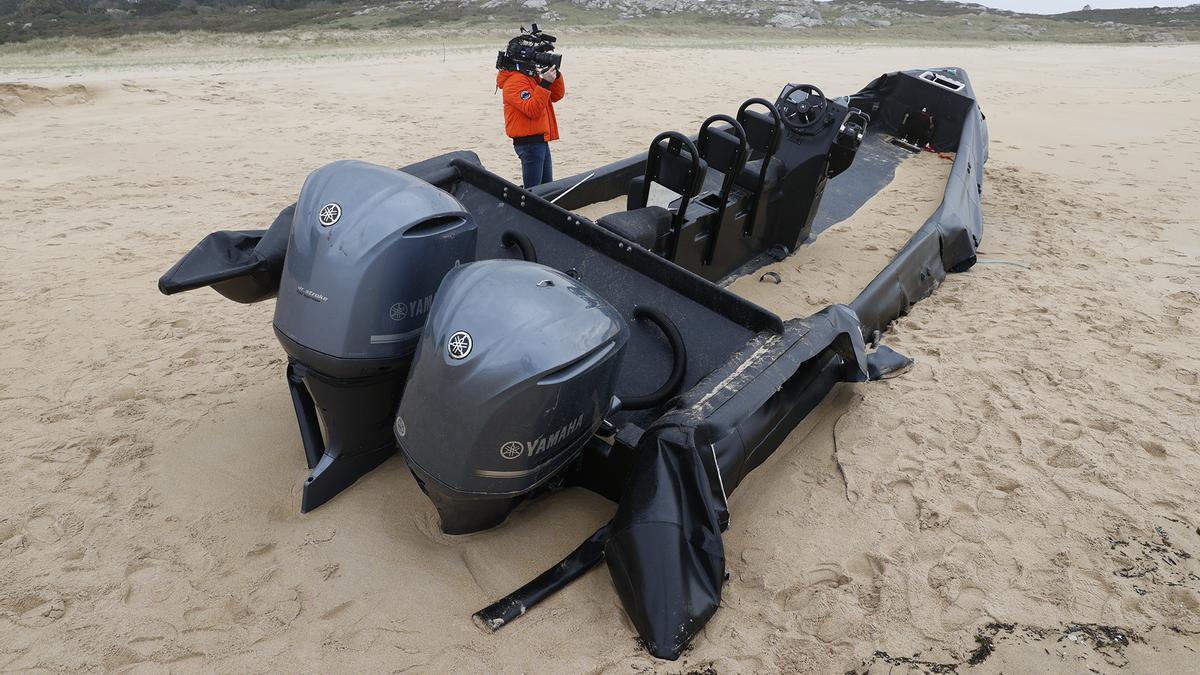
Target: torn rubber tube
244,266
585,557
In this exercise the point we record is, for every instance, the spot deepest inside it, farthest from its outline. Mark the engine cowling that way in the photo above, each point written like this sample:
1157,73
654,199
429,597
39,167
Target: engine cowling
369,246
516,369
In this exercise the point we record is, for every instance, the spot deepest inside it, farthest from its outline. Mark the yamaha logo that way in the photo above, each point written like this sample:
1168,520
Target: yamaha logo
512,450
330,214
410,308
543,443
459,345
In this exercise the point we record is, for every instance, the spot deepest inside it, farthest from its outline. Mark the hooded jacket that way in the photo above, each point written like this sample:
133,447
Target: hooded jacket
529,106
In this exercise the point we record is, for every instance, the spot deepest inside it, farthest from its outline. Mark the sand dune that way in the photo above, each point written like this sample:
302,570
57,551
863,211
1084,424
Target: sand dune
1028,486
15,96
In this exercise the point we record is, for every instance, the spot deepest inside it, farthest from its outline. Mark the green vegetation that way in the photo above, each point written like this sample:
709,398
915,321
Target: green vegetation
26,20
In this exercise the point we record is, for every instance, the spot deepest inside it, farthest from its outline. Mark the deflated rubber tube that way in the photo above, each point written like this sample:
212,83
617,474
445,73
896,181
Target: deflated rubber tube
678,363
585,557
512,238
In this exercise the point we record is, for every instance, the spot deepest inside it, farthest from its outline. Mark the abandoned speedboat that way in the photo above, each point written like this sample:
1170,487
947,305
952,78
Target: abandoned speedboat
507,344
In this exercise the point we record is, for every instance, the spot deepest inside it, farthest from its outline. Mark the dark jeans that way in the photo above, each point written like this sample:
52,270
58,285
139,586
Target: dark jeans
535,163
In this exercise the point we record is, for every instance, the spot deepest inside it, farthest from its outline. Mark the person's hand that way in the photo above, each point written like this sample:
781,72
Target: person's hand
550,74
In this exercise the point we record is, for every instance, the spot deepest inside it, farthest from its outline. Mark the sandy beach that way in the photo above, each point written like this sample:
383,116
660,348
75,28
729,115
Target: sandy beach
150,484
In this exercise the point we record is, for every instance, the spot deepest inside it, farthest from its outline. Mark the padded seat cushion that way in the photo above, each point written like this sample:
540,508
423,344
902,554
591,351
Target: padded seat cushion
748,177
641,226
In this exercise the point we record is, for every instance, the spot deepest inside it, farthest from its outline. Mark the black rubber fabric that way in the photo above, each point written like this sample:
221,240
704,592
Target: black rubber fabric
664,551
244,266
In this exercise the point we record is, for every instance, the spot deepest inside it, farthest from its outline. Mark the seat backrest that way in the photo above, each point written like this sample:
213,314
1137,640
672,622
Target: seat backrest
723,148
726,149
674,163
764,131
678,167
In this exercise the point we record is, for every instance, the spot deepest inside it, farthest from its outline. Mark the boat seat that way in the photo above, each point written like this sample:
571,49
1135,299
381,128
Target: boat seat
726,150
641,226
674,163
750,176
764,131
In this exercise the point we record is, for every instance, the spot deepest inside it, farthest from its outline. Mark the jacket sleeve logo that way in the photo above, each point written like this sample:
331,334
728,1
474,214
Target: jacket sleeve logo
525,94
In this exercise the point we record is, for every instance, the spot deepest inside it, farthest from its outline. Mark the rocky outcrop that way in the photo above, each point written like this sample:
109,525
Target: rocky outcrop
871,15
635,9
788,20
1022,29
851,20
796,14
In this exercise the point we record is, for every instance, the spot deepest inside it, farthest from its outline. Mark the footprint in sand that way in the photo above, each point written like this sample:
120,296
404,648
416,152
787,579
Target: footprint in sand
903,502
209,617
1068,430
992,501
44,530
750,572
1063,456
34,610
278,605
966,430
147,583
798,595
966,608
1185,599
1154,448
1006,440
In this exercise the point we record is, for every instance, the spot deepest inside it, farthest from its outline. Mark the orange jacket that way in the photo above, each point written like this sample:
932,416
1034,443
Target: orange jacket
529,104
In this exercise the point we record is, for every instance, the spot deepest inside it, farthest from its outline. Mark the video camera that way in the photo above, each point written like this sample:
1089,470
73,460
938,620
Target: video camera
529,52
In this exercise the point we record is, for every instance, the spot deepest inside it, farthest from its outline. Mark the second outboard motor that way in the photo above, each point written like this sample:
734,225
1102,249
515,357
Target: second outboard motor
369,246
516,370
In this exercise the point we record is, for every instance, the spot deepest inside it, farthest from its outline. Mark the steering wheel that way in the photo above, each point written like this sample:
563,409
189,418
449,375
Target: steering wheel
802,106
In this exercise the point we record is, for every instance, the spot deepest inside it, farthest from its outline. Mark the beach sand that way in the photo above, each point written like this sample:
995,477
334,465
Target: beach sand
1029,486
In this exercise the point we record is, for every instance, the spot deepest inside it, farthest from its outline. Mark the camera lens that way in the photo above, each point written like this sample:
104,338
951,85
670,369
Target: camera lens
546,59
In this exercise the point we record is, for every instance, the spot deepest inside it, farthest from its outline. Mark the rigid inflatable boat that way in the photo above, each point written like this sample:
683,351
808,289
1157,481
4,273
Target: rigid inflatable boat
507,345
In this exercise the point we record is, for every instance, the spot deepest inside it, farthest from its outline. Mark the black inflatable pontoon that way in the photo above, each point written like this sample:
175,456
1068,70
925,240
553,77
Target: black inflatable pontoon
508,345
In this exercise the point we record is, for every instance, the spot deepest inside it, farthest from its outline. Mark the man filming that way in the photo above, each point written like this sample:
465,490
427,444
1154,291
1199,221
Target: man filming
531,84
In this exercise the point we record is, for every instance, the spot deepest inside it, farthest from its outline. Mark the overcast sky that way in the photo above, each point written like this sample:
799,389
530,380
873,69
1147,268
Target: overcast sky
1057,6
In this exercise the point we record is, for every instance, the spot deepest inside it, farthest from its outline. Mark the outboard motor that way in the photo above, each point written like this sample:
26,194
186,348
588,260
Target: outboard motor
369,246
516,370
